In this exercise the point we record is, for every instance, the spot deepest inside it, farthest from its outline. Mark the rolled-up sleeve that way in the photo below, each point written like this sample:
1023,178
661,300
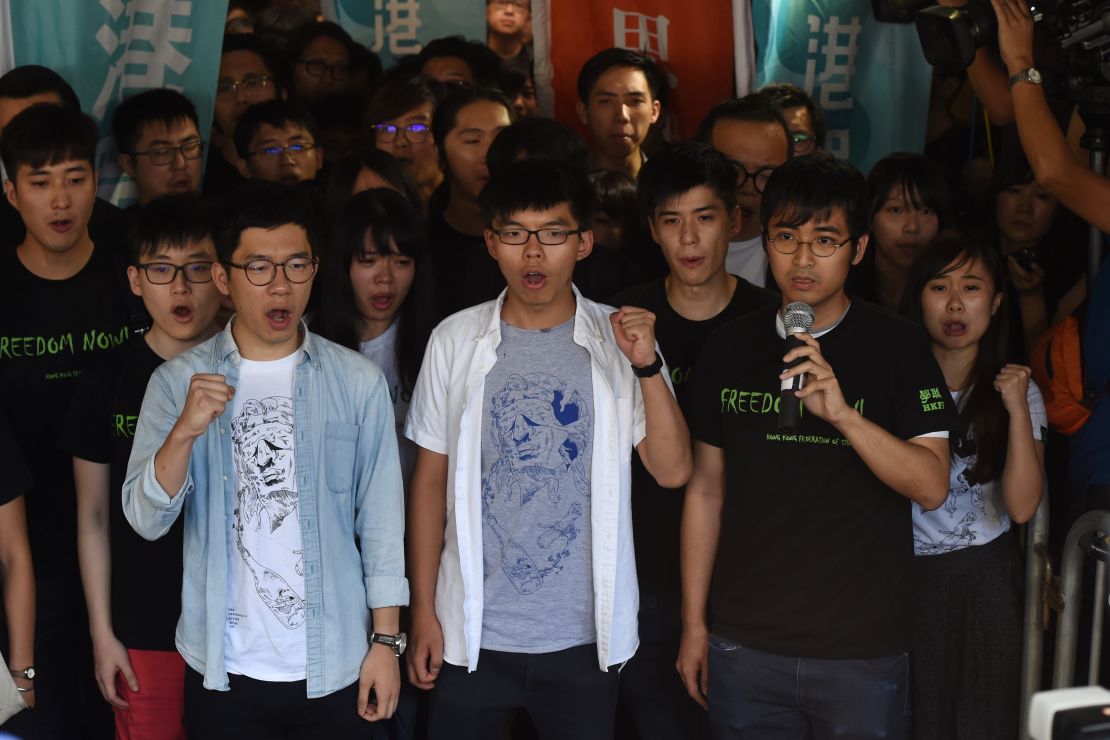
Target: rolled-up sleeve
380,503
149,509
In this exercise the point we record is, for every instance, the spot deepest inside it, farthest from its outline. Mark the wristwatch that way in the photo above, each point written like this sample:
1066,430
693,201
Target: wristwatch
649,370
1032,74
397,642
28,673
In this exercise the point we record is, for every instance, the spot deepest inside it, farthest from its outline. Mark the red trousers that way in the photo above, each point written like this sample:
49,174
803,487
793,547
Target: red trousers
158,706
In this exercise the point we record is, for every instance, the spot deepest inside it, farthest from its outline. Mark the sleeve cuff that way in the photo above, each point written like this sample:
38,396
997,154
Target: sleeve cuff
426,440
383,591
157,496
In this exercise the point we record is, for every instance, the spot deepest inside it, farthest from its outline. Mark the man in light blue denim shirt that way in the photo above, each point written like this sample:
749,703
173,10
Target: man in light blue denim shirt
281,448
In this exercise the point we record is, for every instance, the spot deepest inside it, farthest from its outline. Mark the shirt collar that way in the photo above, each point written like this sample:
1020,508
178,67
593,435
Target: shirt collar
227,350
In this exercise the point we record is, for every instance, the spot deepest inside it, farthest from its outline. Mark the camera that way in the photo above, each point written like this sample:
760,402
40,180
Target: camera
1070,714
950,36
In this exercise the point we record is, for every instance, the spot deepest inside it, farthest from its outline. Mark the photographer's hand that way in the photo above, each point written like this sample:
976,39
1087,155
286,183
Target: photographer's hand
1015,34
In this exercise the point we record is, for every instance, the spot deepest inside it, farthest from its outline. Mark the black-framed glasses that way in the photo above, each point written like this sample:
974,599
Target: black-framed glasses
251,84
293,150
163,155
262,271
759,178
822,246
319,68
546,237
803,143
164,273
414,133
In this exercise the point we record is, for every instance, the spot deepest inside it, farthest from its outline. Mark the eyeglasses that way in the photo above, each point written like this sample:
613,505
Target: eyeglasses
415,133
546,237
318,68
822,246
163,155
251,84
803,143
293,150
518,4
262,271
164,273
759,178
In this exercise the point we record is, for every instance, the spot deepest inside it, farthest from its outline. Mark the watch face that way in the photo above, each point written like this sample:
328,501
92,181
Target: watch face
1034,75
402,643
29,674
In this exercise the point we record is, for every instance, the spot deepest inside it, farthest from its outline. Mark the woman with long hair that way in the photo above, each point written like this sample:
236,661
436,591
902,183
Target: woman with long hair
967,656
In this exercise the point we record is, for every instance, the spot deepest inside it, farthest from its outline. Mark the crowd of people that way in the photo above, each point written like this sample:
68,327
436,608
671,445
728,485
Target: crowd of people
398,410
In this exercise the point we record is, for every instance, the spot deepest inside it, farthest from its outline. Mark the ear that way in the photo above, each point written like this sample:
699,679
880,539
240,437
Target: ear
580,109
491,246
735,222
861,248
319,157
9,193
656,109
651,228
221,278
126,163
241,165
585,244
133,279
996,303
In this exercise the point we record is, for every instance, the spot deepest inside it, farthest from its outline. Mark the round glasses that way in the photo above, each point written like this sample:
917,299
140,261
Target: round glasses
414,133
804,143
546,237
163,155
759,178
262,271
163,273
822,246
251,84
319,68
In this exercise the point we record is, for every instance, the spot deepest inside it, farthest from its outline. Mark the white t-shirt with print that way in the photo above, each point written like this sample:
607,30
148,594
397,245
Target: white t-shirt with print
973,514
747,259
382,351
264,637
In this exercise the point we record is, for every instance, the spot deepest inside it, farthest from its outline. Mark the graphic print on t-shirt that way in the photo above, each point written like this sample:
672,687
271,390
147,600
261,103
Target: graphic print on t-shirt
540,429
267,535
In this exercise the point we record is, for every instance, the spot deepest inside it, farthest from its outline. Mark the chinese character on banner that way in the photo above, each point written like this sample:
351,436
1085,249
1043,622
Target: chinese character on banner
693,47
832,89
396,22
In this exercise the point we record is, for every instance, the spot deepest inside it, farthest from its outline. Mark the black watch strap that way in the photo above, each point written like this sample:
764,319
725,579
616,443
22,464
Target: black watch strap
649,370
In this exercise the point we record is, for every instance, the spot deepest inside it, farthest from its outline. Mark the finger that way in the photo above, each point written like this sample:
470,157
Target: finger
364,686
129,676
615,318
208,376
810,353
816,386
809,368
703,676
108,688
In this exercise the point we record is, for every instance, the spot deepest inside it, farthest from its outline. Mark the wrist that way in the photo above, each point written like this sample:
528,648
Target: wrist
846,420
1019,64
648,369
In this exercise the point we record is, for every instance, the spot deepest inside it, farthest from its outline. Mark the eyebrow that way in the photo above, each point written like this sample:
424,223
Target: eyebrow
256,256
272,140
699,209
165,254
155,142
546,224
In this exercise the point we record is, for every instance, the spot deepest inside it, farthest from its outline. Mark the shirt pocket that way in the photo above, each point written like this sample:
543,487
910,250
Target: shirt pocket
340,441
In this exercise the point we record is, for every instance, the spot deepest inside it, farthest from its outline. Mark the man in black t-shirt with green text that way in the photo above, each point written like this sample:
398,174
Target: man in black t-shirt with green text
807,537
688,194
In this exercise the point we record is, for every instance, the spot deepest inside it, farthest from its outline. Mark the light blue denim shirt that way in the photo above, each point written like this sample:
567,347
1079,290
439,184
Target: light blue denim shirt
351,504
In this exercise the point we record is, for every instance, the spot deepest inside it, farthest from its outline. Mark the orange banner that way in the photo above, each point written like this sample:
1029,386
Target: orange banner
692,41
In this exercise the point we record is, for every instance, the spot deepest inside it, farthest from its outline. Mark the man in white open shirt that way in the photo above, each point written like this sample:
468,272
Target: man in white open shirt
525,411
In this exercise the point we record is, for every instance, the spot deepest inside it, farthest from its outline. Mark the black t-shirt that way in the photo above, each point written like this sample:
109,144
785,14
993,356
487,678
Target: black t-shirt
17,478
815,552
464,273
50,330
657,511
100,427
220,176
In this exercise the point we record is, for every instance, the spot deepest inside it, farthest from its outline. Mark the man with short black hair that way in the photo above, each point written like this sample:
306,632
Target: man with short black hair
62,305
688,195
277,141
526,411
752,133
806,534
804,118
281,448
157,133
620,95
507,27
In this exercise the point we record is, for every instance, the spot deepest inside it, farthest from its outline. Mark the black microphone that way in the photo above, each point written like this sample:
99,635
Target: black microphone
797,318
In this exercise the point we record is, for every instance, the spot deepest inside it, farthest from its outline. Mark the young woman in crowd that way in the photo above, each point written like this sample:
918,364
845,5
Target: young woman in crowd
1043,247
966,662
909,205
376,295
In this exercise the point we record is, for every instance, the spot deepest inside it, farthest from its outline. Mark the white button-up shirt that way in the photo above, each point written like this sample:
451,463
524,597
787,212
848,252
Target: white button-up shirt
446,417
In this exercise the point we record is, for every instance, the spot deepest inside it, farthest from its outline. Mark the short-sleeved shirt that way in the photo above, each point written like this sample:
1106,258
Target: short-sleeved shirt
657,511
537,447
100,428
17,478
50,332
815,552
973,514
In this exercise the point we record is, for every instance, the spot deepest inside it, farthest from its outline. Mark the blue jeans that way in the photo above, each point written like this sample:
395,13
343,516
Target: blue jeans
761,696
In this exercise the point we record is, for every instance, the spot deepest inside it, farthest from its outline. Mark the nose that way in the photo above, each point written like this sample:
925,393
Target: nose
532,248
1025,203
178,162
385,275
912,223
803,255
622,113
59,197
180,284
955,302
688,234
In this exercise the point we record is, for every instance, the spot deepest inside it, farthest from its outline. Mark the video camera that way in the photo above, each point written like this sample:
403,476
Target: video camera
950,36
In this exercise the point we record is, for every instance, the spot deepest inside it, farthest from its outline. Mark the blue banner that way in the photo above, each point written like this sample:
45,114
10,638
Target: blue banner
110,49
397,28
870,78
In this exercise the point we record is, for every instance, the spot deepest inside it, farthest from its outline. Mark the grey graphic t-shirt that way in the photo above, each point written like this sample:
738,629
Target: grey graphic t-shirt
537,436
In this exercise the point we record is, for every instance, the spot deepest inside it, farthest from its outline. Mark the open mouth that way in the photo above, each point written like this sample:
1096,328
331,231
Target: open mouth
691,262
954,328
61,225
184,314
381,302
534,280
279,318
